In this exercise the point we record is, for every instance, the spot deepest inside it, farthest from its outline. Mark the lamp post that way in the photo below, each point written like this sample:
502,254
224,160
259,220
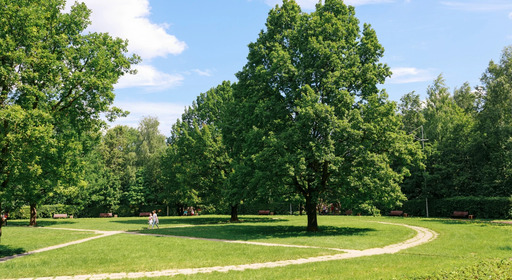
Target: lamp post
422,140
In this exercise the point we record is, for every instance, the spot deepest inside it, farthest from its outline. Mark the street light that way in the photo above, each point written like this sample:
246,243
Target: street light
422,140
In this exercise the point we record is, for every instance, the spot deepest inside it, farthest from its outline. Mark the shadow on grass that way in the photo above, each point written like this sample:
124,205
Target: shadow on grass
253,232
480,222
41,223
198,220
6,250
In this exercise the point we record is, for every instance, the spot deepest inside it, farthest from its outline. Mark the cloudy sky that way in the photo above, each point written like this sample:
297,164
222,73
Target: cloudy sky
190,46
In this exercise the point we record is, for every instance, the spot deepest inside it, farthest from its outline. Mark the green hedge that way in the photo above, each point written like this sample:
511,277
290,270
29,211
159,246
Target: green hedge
45,211
481,207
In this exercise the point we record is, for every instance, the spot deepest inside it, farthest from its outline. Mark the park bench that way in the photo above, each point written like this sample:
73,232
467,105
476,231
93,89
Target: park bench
144,214
397,213
348,212
460,214
58,216
264,212
105,215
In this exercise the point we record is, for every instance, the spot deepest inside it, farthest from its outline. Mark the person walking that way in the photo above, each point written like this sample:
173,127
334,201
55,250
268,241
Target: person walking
155,220
150,221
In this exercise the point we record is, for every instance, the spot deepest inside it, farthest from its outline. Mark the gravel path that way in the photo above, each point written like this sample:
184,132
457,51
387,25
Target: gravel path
422,236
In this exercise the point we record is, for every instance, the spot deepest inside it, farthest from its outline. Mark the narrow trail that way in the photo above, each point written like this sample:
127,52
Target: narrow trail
422,236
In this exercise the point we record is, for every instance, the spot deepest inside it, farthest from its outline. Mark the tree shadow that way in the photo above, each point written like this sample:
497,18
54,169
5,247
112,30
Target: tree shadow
506,248
258,232
6,250
41,223
199,220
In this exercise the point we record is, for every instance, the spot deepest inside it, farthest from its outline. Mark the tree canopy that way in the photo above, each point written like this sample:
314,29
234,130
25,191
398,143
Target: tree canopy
309,117
55,82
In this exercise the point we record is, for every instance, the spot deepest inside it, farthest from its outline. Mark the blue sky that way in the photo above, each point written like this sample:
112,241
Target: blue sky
190,46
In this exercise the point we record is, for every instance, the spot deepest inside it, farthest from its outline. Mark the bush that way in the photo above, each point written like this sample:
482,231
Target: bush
481,207
45,211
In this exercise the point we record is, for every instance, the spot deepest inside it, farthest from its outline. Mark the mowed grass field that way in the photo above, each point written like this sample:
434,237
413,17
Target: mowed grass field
460,244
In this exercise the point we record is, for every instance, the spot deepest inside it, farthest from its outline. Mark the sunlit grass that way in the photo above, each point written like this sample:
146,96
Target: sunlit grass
460,243
17,240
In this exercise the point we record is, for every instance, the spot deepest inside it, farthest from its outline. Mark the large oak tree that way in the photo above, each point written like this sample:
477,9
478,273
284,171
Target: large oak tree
309,116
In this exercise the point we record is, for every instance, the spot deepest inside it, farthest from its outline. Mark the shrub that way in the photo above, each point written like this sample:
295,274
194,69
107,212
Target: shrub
45,211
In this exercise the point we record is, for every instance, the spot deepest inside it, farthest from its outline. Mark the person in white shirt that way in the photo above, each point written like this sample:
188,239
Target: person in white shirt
155,220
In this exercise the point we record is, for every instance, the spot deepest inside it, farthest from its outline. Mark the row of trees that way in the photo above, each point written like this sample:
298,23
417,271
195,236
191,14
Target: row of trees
305,123
469,136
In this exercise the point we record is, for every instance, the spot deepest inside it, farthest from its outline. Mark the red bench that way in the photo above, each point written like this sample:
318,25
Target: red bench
144,214
397,213
106,215
264,212
59,216
460,214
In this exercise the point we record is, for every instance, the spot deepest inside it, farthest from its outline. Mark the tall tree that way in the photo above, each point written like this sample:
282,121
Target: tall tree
494,145
309,116
150,147
196,162
448,128
51,68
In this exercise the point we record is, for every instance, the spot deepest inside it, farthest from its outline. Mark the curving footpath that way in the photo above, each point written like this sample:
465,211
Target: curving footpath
422,236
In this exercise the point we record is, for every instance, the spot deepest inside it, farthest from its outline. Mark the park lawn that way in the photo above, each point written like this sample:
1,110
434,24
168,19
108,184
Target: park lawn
356,233
17,240
133,253
136,253
460,244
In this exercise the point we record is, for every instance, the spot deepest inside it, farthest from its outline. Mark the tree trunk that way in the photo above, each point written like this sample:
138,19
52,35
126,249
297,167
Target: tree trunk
181,210
311,212
33,215
234,213
1,222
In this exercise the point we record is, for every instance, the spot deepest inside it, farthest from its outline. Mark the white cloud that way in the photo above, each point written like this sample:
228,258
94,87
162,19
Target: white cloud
479,6
405,75
150,78
204,73
167,114
129,19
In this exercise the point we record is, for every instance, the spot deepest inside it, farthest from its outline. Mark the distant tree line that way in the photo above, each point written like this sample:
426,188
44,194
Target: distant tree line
305,123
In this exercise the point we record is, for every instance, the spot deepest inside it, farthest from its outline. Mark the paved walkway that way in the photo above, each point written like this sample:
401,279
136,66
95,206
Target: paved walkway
423,235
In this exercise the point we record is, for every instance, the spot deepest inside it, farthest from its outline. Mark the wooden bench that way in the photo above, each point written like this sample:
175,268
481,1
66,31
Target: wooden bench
397,213
144,214
264,212
106,215
58,216
460,214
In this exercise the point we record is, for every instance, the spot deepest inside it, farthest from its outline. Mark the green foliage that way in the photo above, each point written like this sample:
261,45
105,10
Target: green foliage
196,163
480,207
58,80
308,117
46,211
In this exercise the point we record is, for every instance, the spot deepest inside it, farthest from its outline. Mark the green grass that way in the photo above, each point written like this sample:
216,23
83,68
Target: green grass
460,244
17,240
